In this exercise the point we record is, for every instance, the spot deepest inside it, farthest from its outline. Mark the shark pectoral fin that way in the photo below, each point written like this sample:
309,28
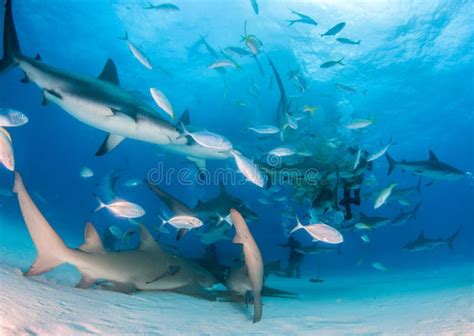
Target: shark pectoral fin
44,102
109,73
110,142
200,165
92,242
86,282
195,291
120,287
181,233
25,80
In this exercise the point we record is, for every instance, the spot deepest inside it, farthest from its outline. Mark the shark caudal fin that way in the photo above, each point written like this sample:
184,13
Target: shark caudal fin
51,250
391,163
11,46
452,238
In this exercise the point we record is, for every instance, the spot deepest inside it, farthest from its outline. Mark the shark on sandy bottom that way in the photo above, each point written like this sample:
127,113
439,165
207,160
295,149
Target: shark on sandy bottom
148,268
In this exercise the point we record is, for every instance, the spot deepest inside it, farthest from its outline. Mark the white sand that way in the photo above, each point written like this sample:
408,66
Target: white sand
438,303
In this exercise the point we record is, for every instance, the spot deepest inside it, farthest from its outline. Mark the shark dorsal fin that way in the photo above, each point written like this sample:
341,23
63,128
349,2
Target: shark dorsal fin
433,156
109,73
92,242
147,242
185,119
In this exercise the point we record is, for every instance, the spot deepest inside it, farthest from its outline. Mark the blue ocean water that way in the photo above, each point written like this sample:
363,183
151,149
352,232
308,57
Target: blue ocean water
413,72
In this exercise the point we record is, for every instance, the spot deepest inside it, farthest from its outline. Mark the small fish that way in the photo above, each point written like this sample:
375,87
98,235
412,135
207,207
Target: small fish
334,30
404,202
116,232
379,154
208,139
7,157
357,159
6,193
282,151
380,266
310,109
359,123
248,169
162,102
239,51
168,7
183,222
362,226
383,196
344,40
365,239
320,232
264,201
346,88
222,63
330,64
12,118
122,209
265,129
254,6
86,173
133,182
139,55
209,48
303,19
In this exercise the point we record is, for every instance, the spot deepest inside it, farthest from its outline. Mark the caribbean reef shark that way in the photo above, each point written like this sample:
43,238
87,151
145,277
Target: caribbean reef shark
431,168
422,243
149,268
101,102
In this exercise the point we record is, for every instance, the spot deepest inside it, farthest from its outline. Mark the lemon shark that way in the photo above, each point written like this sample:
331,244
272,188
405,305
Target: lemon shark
148,268
100,102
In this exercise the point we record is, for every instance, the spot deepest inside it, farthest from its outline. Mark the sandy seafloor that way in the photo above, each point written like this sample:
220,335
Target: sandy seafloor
417,302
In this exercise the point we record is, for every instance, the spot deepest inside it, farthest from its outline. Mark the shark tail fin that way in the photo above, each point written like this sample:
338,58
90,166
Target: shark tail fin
51,250
452,238
391,163
11,45
257,306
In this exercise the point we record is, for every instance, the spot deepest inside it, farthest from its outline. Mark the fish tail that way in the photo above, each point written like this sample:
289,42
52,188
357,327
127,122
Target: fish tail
291,22
391,163
101,204
298,225
51,250
358,42
340,61
11,45
452,238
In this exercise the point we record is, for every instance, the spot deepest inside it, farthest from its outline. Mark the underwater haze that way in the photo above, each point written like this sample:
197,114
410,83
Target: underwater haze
269,167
